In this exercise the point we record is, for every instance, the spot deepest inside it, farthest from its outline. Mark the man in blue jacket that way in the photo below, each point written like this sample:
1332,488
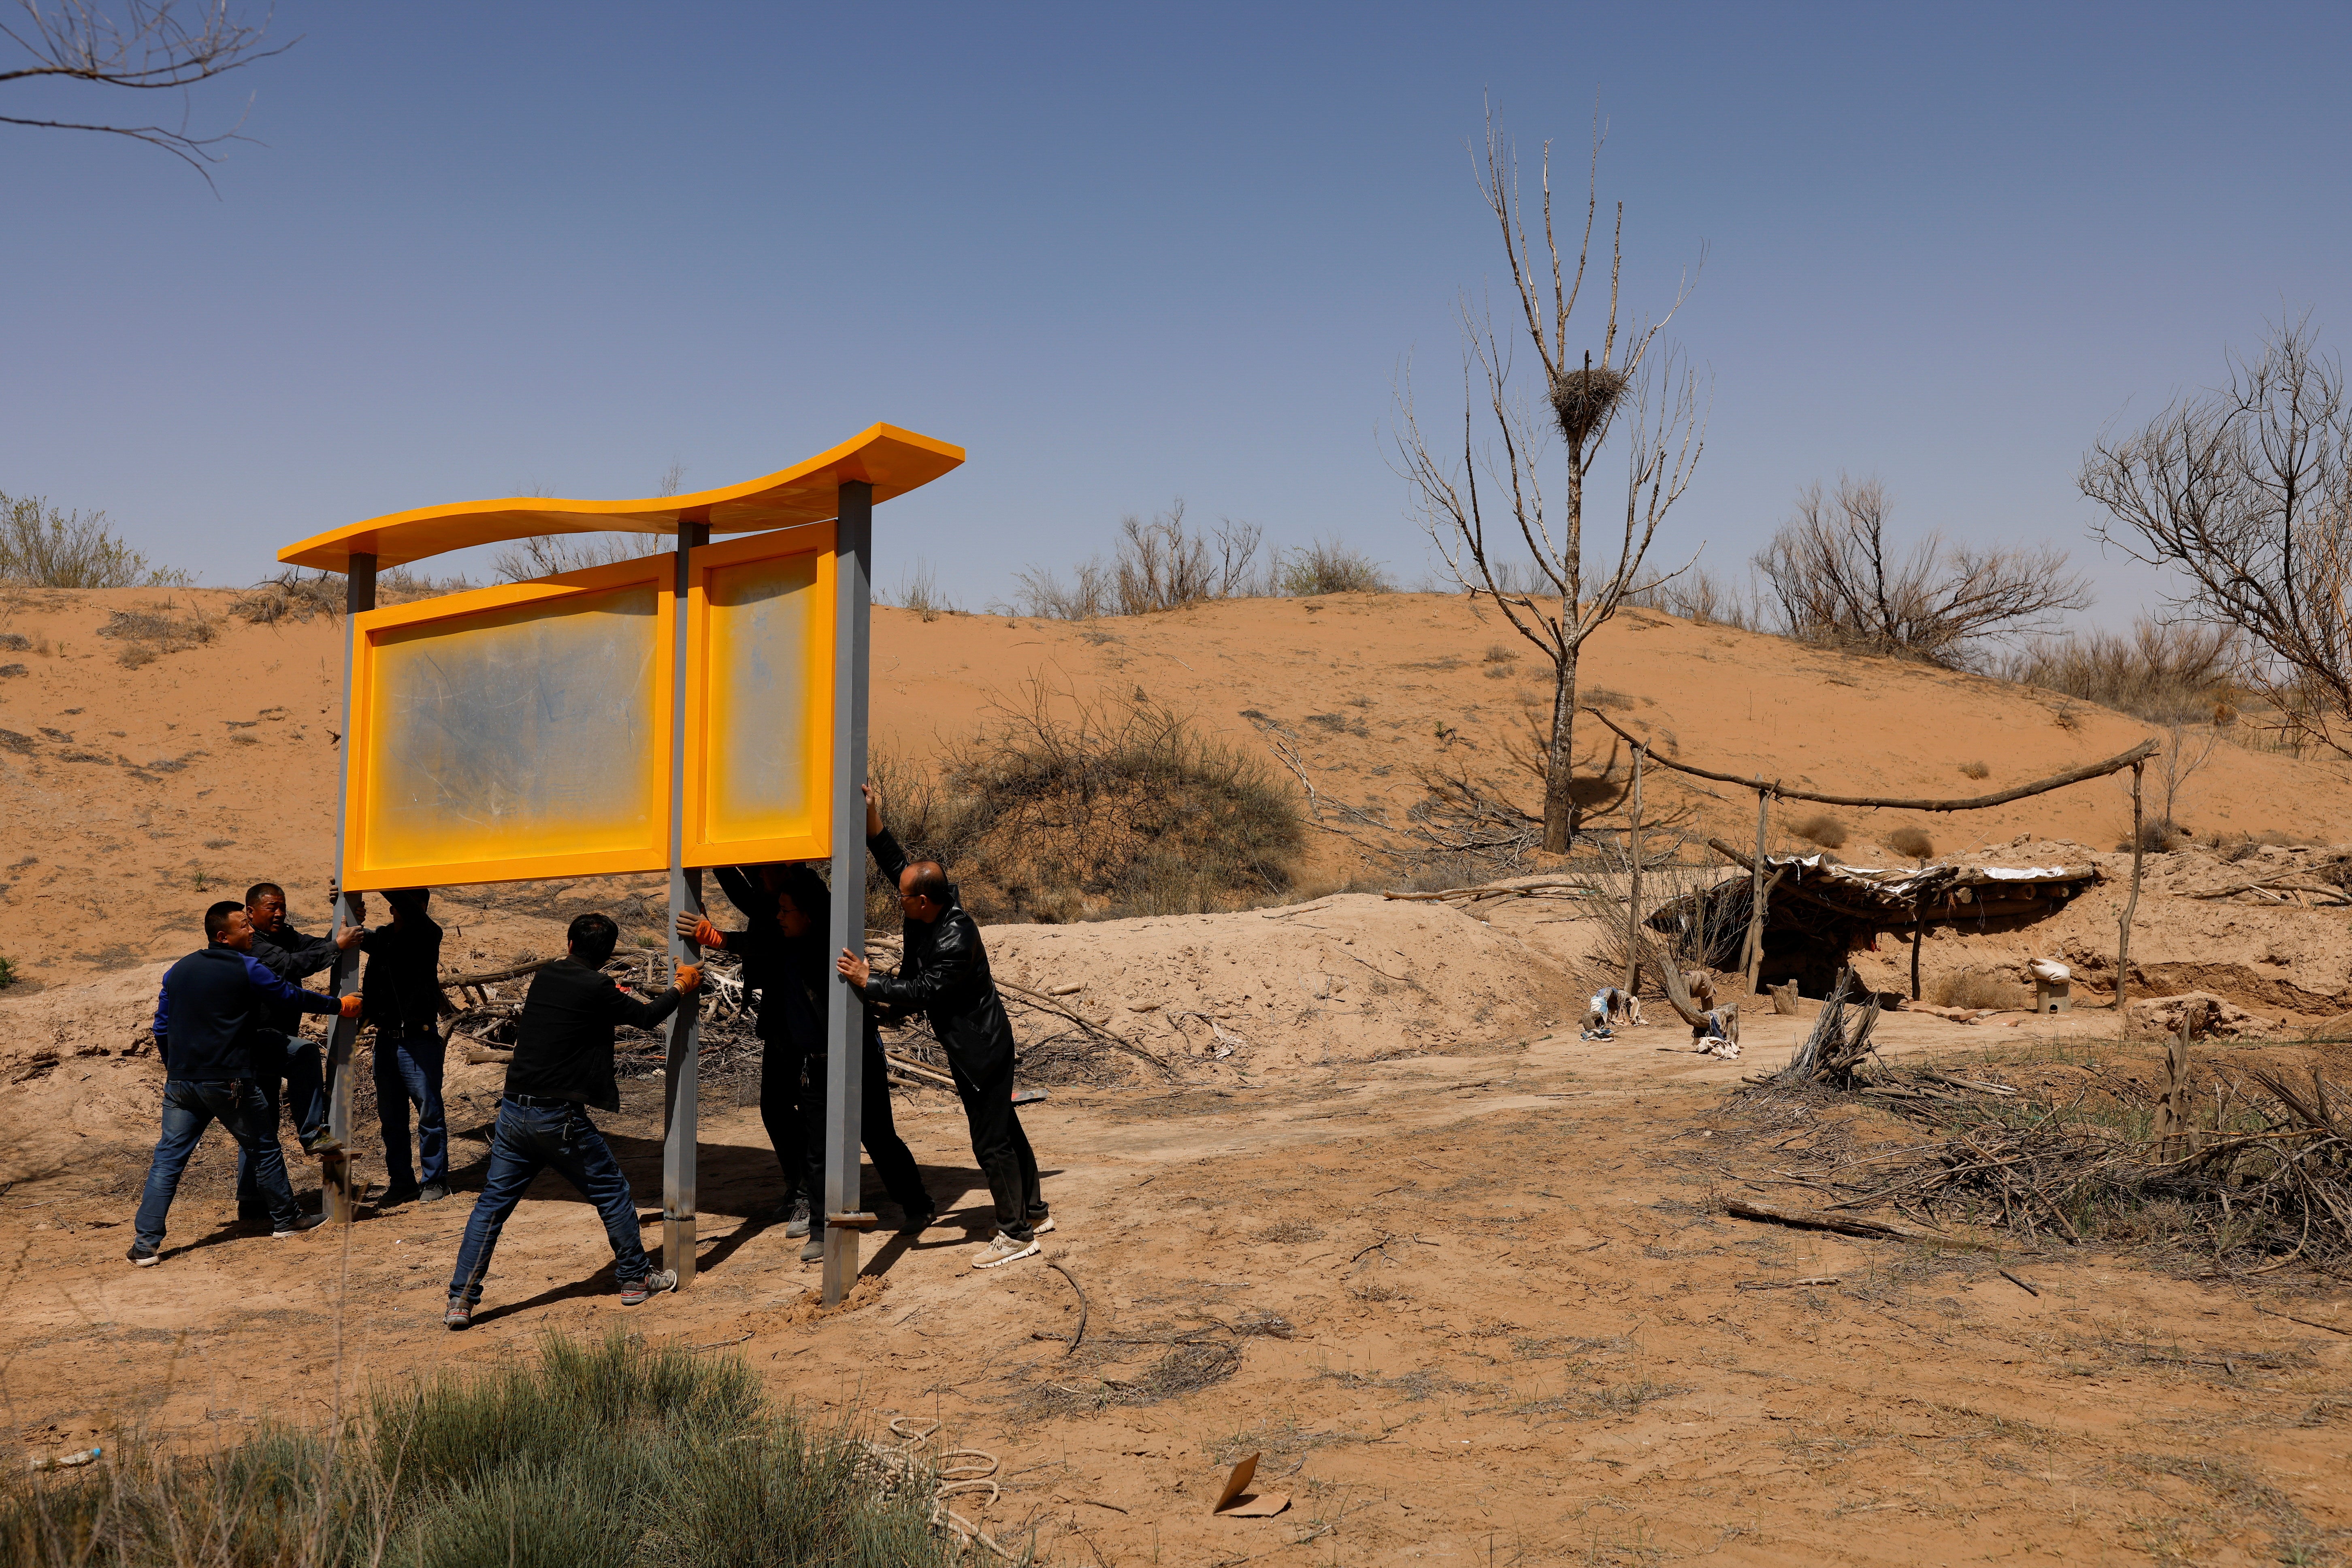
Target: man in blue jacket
214,1006
286,1065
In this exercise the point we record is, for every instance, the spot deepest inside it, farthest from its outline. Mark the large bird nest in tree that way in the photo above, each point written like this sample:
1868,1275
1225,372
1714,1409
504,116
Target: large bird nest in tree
1582,399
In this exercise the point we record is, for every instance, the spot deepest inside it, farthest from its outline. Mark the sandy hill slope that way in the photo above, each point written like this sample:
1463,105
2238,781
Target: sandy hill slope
140,778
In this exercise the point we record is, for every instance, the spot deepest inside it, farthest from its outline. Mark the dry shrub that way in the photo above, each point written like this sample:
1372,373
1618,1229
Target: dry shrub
1059,808
53,549
292,596
1979,988
1976,770
1163,564
920,593
1500,653
1822,828
1329,566
1701,598
1841,582
1911,841
546,554
2166,673
2159,837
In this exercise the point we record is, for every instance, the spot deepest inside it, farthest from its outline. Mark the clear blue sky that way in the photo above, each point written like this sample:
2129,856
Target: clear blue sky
1123,255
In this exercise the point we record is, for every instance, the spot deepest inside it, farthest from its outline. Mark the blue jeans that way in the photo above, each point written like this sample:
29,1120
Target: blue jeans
239,1105
532,1139
287,1068
409,1071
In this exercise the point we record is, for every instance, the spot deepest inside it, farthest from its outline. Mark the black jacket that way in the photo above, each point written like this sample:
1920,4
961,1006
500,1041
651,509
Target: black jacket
404,978
945,976
290,956
212,1003
564,1042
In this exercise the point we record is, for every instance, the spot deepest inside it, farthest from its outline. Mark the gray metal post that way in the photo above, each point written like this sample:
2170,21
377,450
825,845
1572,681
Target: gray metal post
845,1014
335,1169
682,1061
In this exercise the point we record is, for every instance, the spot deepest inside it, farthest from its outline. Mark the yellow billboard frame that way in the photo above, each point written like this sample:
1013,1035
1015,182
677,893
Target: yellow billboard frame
369,633
704,690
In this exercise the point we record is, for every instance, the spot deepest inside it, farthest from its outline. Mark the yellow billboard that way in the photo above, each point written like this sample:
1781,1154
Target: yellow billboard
758,698
511,732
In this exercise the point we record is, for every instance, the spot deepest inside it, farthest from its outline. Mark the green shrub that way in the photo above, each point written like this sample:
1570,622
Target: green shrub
602,1454
7,973
1062,808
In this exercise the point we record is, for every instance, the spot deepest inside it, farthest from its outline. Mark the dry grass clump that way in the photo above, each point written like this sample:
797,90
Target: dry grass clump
1822,828
1500,653
1976,770
153,630
2165,672
1911,841
1060,809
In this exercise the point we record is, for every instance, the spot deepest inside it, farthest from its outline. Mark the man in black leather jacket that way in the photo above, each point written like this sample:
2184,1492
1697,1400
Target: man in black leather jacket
945,975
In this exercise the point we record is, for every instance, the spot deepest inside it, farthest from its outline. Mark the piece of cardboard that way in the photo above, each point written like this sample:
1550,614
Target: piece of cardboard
1265,1505
1234,1503
1235,1483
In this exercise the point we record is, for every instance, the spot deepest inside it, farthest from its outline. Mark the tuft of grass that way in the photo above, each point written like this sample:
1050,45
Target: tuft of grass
1911,841
1976,770
7,973
605,1453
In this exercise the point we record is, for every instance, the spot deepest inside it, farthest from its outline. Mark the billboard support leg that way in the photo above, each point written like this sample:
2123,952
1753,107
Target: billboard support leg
845,1014
340,1199
682,1065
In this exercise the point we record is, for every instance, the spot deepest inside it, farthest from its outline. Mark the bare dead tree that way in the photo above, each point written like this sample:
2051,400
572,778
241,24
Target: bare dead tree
1638,389
142,45
1839,579
2246,491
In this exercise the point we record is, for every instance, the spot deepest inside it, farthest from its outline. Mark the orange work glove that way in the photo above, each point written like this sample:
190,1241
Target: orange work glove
689,977
351,1009
709,935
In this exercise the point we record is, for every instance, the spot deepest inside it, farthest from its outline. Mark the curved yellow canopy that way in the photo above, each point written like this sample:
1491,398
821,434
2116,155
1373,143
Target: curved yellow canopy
892,460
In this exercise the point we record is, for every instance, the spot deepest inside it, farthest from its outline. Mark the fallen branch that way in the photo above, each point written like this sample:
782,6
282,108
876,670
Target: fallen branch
1844,1225
1082,1304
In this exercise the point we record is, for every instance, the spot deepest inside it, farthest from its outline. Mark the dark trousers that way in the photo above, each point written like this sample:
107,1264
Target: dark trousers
289,1071
532,1139
240,1106
878,1128
985,1083
408,1072
783,1112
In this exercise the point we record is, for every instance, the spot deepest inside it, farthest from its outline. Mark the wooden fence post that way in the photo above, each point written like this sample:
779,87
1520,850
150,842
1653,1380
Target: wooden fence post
1633,896
2131,907
1755,961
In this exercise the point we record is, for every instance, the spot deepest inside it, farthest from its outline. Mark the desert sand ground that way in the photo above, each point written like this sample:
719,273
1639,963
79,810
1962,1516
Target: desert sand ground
1463,1277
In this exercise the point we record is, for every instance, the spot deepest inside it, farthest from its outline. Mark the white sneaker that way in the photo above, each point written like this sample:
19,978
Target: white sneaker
1002,1250
1043,1226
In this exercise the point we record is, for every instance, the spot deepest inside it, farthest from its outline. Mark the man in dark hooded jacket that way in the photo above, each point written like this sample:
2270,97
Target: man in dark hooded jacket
945,976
